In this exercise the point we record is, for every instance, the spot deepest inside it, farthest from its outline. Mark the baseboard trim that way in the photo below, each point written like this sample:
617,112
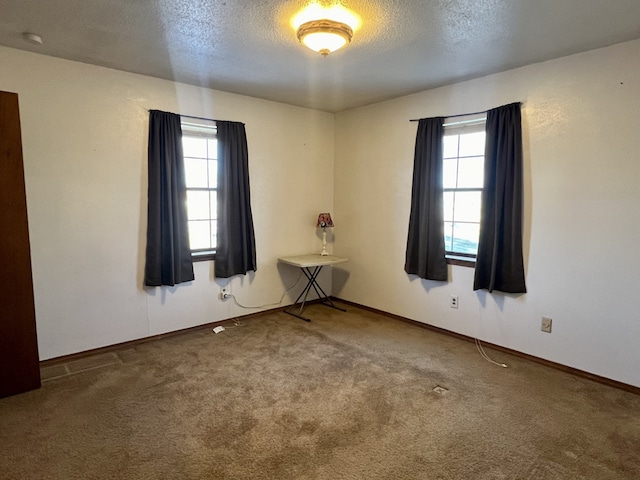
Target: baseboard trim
557,366
152,338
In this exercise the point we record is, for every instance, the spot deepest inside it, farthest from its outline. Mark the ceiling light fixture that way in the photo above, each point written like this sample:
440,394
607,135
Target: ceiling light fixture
325,36
325,29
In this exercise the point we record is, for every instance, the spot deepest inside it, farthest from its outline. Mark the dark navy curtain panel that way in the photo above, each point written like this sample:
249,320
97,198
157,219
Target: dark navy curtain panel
236,246
425,255
168,254
499,263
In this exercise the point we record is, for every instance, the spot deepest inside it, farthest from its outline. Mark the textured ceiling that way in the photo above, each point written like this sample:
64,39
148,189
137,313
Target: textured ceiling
249,47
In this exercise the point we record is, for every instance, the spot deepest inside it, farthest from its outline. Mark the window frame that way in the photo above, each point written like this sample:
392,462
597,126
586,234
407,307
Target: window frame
202,129
460,125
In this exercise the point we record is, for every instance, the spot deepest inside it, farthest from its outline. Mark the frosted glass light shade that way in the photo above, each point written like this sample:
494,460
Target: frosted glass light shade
324,36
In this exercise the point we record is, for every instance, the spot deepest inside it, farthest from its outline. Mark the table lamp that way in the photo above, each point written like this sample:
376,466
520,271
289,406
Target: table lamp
324,221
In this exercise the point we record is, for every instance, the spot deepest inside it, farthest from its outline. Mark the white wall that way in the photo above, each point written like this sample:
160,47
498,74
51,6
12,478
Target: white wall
84,136
84,132
582,165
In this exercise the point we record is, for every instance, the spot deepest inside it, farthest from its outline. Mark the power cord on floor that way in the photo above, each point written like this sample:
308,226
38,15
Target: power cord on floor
481,351
235,300
222,328
486,357
236,323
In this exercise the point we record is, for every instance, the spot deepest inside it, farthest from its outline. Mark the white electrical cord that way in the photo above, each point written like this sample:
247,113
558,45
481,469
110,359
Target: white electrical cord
236,323
267,304
481,351
222,328
485,356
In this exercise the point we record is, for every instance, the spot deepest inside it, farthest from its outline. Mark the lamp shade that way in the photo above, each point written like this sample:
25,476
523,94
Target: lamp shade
324,220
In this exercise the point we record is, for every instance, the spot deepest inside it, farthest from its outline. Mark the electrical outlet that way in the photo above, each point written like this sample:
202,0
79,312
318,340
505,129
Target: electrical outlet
224,294
545,326
453,301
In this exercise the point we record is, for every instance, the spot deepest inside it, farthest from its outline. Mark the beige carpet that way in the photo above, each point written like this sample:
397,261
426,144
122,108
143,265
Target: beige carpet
348,396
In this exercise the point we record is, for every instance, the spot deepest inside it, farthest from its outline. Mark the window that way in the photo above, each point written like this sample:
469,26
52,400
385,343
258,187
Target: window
200,149
463,178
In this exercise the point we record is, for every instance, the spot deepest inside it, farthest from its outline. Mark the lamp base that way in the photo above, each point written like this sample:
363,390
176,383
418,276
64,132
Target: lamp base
324,243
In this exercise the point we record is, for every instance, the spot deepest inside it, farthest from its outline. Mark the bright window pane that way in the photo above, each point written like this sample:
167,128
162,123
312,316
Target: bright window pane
212,147
450,146
213,202
463,178
199,234
194,147
214,237
200,149
448,206
198,205
213,174
448,236
196,172
449,172
467,207
472,144
465,237
471,172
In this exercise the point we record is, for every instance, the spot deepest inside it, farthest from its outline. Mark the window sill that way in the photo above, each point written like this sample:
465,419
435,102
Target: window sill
202,256
461,261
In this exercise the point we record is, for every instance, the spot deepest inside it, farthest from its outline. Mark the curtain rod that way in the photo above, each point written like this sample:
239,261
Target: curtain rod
210,119
201,118
454,116
460,114
198,118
